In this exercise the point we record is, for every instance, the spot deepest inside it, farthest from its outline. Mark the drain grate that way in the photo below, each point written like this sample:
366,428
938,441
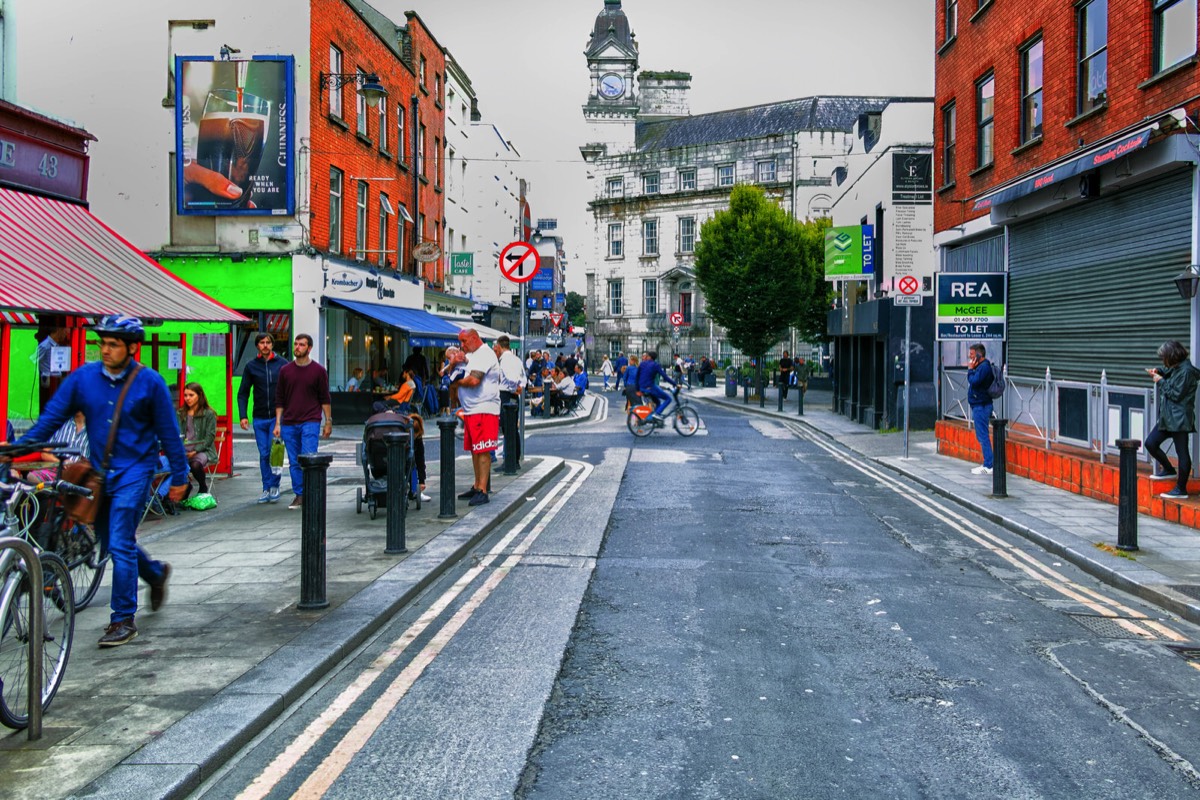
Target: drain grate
1190,589
1188,650
1108,627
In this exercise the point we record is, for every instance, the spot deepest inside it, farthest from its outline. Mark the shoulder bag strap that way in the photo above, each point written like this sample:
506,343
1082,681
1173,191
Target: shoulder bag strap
112,431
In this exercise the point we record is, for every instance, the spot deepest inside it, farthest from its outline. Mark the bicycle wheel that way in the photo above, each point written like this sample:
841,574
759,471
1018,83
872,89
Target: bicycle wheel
687,421
637,426
77,547
58,610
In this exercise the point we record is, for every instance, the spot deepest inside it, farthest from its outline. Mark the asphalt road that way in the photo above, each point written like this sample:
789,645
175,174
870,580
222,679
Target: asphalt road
747,614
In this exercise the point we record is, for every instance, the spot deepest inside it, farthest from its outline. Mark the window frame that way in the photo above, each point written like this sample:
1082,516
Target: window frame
650,231
1086,59
616,243
732,167
687,242
335,92
985,123
1159,10
758,170
651,183
362,223
401,124
437,161
383,124
361,110
421,159
687,176
610,183
649,296
384,204
616,306
949,142
336,209
950,27
424,73
1029,130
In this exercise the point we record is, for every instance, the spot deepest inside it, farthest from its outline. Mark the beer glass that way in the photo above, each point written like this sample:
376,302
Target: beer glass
232,134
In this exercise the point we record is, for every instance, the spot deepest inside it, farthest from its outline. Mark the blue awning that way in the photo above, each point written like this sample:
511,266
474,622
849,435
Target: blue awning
421,328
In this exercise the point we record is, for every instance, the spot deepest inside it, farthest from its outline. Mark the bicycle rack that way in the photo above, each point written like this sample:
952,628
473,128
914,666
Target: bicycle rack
36,630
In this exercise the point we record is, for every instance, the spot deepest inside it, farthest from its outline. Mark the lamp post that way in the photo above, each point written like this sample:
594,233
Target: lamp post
368,84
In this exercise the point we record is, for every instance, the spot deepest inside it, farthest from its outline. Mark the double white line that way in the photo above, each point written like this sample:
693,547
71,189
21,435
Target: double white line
336,762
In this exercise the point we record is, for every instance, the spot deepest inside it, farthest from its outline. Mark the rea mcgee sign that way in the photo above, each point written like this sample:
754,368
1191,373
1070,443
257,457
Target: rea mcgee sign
971,306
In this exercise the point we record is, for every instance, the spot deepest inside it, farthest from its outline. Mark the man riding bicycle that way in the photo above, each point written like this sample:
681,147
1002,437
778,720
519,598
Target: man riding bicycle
647,371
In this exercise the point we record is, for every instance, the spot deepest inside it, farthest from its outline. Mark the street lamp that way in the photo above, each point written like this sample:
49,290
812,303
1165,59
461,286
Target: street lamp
369,86
1188,281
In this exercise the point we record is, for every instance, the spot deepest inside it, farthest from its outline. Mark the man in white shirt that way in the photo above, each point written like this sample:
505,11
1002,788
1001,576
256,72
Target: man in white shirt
479,396
513,377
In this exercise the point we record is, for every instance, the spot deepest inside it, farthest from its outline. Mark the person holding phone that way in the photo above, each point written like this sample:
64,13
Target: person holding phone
979,378
1176,383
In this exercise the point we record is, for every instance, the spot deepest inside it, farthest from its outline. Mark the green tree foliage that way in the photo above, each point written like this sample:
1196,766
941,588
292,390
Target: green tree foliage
574,308
762,272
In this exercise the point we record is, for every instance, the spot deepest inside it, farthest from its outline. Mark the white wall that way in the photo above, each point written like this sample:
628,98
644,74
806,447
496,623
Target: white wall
106,67
492,190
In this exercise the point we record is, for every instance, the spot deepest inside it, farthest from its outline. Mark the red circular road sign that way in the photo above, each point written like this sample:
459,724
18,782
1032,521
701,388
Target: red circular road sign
909,285
519,262
676,319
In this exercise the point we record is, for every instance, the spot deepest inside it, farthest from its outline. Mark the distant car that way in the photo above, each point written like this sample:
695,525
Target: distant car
554,339
579,330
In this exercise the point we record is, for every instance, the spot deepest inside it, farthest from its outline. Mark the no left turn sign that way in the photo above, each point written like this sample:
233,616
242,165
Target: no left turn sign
519,262
909,285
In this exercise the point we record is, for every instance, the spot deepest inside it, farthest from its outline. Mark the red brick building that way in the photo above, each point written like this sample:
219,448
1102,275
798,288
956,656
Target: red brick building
377,173
1061,158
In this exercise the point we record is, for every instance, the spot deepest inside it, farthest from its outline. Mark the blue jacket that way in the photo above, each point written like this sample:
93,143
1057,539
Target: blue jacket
978,381
263,375
621,363
148,422
646,372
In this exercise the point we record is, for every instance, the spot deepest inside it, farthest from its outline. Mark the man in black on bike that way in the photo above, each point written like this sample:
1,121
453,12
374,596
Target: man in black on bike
647,371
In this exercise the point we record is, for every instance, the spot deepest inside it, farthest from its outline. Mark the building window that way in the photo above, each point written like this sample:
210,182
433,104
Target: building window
725,175
335,210
614,297
687,180
765,171
615,187
360,233
335,93
400,143
1093,55
419,236
385,211
437,87
401,238
450,170
949,140
685,307
420,149
616,240
687,234
985,129
360,105
951,19
614,348
1174,32
650,183
650,297
437,161
1031,92
383,124
421,74
650,237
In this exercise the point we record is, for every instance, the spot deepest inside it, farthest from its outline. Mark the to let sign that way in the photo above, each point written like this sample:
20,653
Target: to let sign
971,306
27,163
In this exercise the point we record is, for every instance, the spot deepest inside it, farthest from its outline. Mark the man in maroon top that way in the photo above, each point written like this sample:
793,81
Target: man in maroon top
302,399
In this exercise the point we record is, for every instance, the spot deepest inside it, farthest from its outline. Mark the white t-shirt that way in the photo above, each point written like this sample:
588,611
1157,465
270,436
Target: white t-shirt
484,398
566,386
512,376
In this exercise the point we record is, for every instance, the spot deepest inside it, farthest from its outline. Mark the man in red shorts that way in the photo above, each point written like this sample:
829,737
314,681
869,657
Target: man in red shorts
479,396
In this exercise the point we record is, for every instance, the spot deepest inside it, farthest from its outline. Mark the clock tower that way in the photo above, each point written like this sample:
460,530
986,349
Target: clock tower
612,107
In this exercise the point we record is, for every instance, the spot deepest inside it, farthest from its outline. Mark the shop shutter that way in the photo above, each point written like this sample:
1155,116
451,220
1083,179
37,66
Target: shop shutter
1090,288
985,255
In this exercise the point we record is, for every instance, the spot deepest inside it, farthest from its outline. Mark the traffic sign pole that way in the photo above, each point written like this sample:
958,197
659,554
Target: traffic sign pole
907,382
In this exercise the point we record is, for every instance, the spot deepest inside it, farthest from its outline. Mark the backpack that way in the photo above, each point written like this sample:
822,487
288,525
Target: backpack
997,387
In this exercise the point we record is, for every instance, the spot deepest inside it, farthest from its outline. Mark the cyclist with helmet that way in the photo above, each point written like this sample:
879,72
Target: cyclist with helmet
647,371
147,422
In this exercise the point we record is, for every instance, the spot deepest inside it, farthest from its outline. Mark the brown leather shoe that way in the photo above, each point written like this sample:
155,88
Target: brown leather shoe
119,633
158,591
297,502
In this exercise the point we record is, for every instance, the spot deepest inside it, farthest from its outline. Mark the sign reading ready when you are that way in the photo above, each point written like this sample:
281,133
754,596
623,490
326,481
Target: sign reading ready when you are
971,306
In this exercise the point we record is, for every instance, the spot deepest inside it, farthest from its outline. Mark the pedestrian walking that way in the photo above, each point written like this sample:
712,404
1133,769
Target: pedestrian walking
302,401
261,376
785,373
606,371
1175,382
128,407
622,367
479,394
979,379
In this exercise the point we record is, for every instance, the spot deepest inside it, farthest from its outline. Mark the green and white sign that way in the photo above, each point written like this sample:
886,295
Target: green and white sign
462,263
971,306
849,252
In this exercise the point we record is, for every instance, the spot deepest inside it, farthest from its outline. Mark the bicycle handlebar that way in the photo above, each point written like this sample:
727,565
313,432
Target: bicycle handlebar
65,487
28,448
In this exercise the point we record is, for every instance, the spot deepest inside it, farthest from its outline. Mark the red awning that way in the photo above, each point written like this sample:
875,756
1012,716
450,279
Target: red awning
58,258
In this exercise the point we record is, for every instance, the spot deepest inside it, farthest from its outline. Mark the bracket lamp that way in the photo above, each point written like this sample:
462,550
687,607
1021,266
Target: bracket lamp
367,82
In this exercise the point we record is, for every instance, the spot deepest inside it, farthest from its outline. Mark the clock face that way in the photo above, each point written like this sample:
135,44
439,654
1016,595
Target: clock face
612,85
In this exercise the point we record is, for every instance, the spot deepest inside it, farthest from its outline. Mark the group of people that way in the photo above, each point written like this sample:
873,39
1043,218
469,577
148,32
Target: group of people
556,384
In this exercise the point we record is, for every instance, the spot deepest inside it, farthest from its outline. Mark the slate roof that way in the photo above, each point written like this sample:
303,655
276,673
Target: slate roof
612,17
821,113
386,29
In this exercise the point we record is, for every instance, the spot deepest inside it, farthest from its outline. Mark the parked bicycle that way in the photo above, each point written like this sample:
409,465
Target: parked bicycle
684,418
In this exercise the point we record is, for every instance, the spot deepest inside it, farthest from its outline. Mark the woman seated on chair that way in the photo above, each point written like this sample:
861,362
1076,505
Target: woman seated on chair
198,424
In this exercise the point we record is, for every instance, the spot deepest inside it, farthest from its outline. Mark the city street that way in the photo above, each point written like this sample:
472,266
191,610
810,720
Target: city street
751,612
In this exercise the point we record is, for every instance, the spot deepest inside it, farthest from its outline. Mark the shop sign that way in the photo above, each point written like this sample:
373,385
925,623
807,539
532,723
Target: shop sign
27,163
543,281
462,263
849,252
357,285
912,179
971,306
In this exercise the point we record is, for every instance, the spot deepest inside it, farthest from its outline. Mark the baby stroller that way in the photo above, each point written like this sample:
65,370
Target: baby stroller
372,454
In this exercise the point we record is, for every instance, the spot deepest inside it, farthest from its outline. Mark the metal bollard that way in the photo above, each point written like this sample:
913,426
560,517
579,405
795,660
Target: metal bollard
999,458
746,392
800,405
398,443
761,380
512,439
780,398
1127,494
35,631
312,531
446,426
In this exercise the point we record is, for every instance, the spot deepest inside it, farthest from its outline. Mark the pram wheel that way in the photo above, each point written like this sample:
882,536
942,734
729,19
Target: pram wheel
358,501
372,506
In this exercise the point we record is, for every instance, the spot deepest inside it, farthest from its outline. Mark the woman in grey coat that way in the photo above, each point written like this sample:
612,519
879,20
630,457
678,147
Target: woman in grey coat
1175,381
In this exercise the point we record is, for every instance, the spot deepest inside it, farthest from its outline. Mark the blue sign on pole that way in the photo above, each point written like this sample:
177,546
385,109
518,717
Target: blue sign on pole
547,302
531,302
560,298
543,281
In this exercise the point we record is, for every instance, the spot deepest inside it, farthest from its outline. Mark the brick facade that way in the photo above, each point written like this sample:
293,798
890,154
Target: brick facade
387,166
990,37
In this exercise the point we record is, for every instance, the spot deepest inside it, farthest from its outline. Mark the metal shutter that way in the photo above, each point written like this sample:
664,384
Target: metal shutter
1090,288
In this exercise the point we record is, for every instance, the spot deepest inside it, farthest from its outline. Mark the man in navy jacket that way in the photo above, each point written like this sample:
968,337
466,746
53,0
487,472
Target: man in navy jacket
979,378
647,371
262,374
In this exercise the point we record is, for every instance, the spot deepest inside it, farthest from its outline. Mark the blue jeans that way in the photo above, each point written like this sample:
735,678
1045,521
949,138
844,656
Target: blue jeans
982,416
263,430
661,396
116,529
302,438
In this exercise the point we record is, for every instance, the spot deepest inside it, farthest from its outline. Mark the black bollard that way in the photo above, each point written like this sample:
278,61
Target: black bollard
398,443
999,458
446,426
800,406
512,439
780,399
312,531
746,392
1127,494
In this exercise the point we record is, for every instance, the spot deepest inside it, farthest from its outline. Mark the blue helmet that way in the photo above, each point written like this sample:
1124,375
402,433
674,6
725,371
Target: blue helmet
121,326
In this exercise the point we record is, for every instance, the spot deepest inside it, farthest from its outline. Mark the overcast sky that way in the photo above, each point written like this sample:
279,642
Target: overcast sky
525,60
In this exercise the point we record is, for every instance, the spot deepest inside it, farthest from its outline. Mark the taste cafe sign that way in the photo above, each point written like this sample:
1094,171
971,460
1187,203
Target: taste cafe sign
26,163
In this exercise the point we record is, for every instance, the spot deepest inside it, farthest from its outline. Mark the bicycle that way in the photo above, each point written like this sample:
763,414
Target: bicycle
684,418
17,596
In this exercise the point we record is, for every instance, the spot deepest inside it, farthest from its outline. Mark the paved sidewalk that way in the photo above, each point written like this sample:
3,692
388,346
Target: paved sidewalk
1164,571
230,650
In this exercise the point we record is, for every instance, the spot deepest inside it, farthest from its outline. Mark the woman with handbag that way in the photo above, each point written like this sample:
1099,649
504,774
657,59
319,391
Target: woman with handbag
198,424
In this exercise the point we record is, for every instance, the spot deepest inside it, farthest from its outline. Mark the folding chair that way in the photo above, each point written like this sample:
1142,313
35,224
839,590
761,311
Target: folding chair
157,495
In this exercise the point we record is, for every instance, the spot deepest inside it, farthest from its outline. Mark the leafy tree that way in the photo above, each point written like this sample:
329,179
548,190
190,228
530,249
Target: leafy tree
762,272
574,308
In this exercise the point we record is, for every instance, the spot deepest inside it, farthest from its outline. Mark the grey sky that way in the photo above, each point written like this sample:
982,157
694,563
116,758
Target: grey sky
526,62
